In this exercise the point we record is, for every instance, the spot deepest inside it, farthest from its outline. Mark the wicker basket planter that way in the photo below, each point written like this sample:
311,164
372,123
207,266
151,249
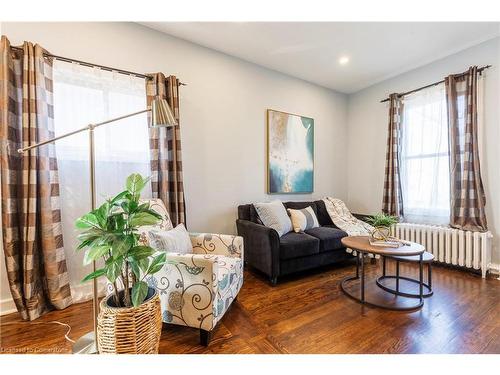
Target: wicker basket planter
130,330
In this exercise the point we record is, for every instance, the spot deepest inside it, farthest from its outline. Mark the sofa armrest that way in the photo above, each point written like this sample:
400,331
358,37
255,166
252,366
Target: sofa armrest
262,246
217,244
187,286
362,217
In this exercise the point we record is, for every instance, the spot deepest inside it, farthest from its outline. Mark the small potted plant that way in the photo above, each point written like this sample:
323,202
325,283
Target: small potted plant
130,317
382,224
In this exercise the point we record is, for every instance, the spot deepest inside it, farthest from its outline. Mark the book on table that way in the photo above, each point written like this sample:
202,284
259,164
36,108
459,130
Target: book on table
382,243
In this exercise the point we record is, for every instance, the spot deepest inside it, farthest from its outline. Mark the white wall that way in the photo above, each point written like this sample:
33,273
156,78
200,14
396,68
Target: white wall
367,134
223,110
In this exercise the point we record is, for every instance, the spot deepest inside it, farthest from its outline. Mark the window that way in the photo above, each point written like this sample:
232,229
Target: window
424,170
85,95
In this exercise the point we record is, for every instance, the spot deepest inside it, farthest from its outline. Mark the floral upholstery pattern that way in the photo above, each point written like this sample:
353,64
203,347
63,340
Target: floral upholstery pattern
165,224
197,289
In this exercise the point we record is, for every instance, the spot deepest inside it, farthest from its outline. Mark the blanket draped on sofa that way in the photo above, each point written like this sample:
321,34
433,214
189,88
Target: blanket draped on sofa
344,219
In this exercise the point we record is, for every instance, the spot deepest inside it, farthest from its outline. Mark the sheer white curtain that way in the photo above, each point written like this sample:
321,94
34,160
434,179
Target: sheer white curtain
85,95
425,158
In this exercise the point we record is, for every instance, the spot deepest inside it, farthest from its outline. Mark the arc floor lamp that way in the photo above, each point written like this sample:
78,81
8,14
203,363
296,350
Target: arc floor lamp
161,116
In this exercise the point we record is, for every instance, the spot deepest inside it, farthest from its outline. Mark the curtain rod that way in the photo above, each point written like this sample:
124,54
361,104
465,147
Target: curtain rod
92,65
479,70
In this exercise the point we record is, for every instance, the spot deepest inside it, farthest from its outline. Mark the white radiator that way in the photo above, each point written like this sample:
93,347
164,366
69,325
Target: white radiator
448,245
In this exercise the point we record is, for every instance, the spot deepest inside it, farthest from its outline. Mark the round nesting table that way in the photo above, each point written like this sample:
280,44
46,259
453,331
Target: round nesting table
427,259
362,246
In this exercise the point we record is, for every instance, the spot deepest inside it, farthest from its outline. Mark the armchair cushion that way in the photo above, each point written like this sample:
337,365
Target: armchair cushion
171,241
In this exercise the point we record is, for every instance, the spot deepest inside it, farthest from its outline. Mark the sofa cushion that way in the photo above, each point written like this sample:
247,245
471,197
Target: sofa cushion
330,238
273,215
322,213
294,245
303,219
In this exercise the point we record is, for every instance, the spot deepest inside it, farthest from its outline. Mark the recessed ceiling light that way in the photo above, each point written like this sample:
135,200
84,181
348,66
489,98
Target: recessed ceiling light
343,60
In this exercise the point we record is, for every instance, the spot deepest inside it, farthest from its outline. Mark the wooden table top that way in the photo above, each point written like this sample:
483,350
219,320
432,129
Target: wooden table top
362,243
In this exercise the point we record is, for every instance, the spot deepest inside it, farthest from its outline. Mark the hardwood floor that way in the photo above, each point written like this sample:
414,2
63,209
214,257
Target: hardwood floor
309,314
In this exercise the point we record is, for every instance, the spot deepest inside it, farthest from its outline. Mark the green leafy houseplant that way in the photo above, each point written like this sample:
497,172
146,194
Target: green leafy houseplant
382,224
110,232
382,220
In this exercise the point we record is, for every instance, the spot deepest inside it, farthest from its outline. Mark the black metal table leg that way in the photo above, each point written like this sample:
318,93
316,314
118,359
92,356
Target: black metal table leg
362,278
421,272
397,275
357,264
383,265
429,275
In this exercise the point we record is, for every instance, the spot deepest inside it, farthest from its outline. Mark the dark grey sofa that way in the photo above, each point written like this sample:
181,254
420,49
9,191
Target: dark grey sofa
293,252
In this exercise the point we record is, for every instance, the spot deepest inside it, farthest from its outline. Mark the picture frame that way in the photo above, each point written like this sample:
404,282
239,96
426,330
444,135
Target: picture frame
290,153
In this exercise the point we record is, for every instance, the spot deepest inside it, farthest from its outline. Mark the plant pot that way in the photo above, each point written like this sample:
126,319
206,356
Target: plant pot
130,330
381,233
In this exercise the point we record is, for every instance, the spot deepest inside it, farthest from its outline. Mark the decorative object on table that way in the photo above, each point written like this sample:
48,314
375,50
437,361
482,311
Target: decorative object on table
290,144
130,320
161,117
197,289
382,224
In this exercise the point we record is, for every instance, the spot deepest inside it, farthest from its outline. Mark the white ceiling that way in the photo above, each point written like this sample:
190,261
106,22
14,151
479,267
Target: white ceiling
311,50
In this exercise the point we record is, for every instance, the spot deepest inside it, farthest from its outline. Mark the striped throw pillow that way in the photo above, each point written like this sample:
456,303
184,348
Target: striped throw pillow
303,219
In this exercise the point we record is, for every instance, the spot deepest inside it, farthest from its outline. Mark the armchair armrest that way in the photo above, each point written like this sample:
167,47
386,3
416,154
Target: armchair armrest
262,246
187,286
217,244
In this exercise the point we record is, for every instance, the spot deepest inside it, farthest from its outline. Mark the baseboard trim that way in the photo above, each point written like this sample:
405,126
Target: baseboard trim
494,268
7,306
84,292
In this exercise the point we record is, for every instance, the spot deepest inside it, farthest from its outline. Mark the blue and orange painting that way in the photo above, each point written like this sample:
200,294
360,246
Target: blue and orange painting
290,153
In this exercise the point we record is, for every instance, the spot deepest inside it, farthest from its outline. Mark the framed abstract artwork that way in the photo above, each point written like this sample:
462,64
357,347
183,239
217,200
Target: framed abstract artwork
290,153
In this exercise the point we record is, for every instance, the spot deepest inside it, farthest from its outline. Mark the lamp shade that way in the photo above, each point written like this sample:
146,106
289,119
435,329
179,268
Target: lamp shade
161,114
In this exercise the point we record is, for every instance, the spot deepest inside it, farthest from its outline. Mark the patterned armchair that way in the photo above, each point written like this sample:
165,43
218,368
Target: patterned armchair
197,289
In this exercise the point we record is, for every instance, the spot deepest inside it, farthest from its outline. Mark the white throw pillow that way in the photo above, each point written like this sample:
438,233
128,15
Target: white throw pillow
303,219
171,241
273,215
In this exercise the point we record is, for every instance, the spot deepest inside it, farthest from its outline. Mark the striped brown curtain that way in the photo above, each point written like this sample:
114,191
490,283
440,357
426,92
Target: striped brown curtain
392,203
31,216
165,150
466,190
